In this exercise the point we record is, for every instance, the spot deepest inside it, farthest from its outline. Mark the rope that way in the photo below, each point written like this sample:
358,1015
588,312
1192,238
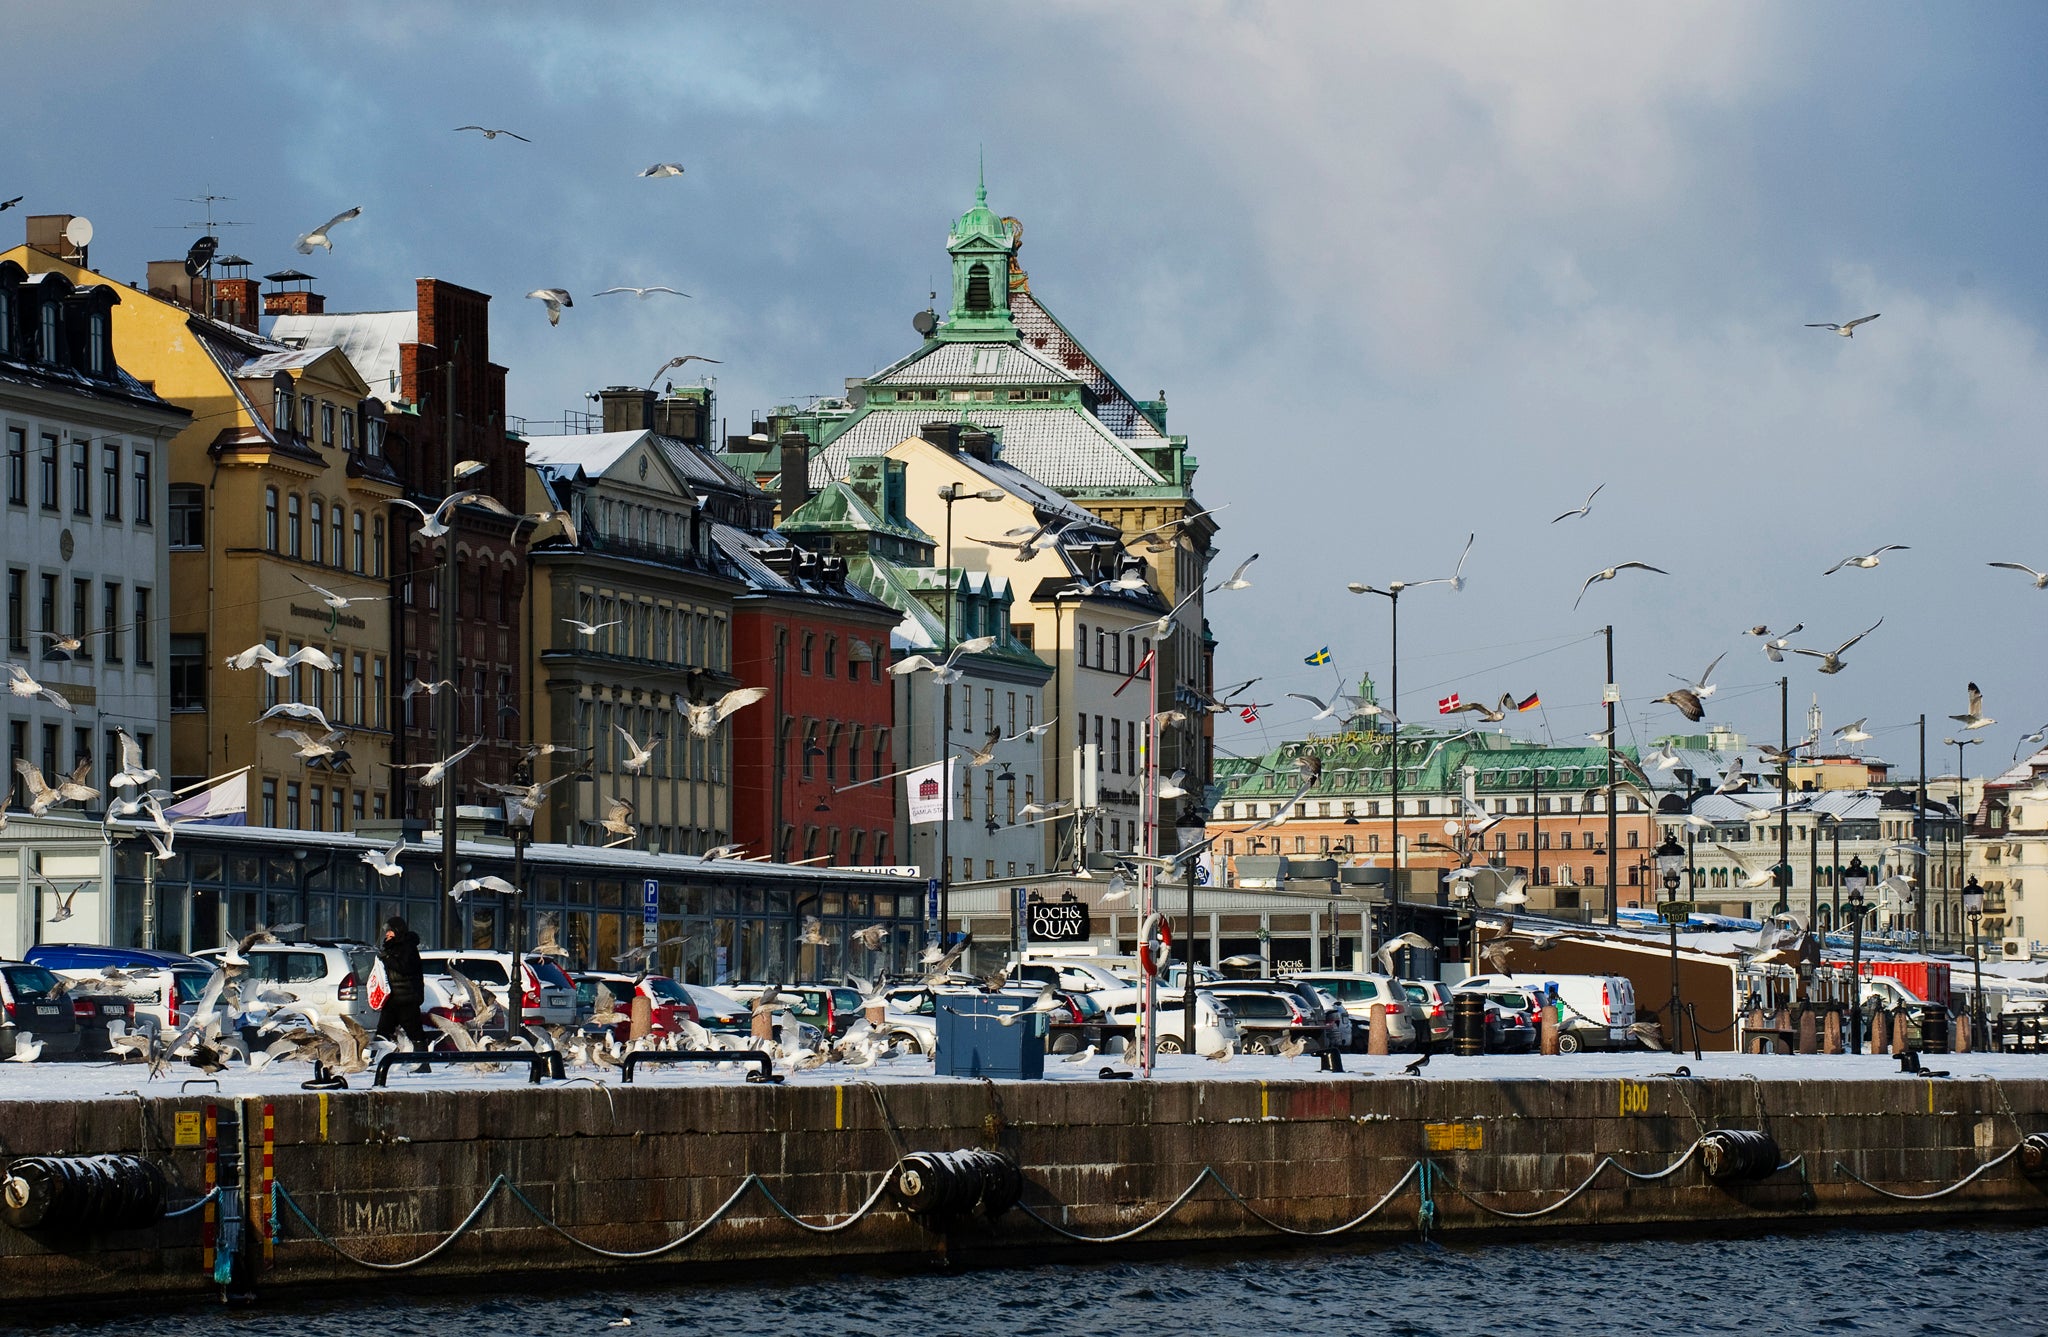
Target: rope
1938,1193
1209,1172
752,1181
189,1208
1135,1231
1641,1176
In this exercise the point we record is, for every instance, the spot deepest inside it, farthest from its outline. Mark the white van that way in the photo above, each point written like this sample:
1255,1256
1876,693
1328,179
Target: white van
1598,1010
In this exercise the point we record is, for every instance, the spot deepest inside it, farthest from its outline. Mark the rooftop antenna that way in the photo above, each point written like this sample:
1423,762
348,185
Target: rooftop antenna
927,320
78,232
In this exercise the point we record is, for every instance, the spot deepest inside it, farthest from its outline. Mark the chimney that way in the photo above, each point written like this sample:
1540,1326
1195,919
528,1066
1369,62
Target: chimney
944,435
46,234
981,445
682,417
832,571
234,301
796,472
807,565
780,560
168,280
284,301
627,408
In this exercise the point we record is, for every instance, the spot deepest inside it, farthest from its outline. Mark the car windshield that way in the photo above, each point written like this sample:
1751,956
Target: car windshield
190,984
663,987
550,974
31,983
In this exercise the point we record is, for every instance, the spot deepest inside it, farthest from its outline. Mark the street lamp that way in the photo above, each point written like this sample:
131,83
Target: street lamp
1961,847
1973,906
1191,834
949,494
1670,858
1855,877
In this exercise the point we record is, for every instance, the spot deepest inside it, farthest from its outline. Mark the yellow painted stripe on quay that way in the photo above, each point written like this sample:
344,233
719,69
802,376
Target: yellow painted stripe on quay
839,1107
323,1116
1265,1107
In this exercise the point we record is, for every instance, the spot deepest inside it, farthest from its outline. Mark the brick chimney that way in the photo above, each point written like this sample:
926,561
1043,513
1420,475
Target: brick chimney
796,472
294,302
234,301
169,281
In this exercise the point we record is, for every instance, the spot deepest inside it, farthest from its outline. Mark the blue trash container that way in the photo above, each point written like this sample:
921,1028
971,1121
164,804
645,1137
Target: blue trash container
973,1042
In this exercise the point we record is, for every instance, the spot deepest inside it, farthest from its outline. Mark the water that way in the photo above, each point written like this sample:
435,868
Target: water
1962,1281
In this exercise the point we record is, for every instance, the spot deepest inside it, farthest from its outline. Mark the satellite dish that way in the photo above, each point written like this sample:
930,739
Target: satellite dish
200,256
924,322
1452,828
79,232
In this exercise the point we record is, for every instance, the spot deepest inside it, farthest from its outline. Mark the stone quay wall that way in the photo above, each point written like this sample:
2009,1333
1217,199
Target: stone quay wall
388,1175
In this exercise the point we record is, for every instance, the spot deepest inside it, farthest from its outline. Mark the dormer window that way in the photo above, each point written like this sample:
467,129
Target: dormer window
281,408
96,344
6,320
50,331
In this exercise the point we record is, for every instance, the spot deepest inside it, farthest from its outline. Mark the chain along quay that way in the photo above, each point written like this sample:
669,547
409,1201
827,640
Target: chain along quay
249,1187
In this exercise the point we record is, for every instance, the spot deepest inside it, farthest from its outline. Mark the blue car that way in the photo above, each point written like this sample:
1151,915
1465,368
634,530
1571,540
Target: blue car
70,956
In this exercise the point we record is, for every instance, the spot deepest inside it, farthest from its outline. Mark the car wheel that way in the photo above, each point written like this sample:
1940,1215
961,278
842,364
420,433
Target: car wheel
906,1040
1259,1044
1170,1044
1065,1044
1567,1043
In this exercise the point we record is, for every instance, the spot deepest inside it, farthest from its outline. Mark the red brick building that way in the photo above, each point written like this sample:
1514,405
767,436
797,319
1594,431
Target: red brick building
820,645
446,403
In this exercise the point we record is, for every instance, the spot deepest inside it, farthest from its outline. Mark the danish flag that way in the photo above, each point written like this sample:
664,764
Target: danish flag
1445,705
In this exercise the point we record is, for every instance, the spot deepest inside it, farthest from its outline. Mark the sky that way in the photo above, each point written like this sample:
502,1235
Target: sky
1404,273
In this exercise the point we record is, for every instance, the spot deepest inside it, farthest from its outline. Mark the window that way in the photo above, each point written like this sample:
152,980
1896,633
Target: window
306,416
334,534
356,687
292,803
270,518
17,610
48,609
326,424
188,673
318,550
270,802
110,622
377,691
804,653
144,654
317,804
50,331
188,511
81,604
96,344
17,466
145,489
355,543
47,469
81,478
348,429
110,481
1116,745
7,343
831,656
294,525
377,547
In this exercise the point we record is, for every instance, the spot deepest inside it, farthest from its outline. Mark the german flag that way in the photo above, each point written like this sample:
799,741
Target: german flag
1529,702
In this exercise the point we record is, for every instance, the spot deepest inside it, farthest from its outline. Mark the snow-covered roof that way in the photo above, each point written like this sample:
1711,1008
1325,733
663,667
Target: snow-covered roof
592,452
1043,333
269,364
1061,447
369,339
996,363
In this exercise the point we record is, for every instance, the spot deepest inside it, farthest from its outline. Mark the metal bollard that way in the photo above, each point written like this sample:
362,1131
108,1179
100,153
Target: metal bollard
1376,1030
1468,1025
1934,1033
1832,1031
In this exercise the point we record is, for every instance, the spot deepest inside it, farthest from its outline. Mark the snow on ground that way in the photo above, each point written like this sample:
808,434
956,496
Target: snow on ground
88,1080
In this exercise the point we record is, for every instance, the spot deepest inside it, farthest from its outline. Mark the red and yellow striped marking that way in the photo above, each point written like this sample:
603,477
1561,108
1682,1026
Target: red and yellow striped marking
265,1204
211,1227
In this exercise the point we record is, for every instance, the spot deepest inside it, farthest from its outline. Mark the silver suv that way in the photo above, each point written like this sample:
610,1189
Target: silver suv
330,976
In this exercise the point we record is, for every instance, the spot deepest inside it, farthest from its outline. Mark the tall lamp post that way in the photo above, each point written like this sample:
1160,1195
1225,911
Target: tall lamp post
1191,832
949,494
1670,858
1973,906
1959,744
1855,877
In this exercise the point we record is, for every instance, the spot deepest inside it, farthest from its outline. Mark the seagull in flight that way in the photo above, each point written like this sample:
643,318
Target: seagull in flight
1583,509
337,601
132,772
637,758
1611,572
1237,580
592,628
640,293
1853,732
1701,687
1974,718
1831,660
1456,580
1687,700
309,748
705,718
679,361
435,523
662,169
489,133
318,236
947,673
386,862
2040,577
1848,329
1491,714
1867,560
417,685
297,710
19,683
554,299
1776,646
433,772
1341,705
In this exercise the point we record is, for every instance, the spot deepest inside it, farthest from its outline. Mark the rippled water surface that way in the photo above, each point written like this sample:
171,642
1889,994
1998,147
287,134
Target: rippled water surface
1964,1281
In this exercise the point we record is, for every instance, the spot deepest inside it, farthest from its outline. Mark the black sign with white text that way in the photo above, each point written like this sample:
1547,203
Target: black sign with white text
1055,921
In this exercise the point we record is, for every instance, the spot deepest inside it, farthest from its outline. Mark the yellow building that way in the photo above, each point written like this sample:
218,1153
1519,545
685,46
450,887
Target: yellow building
279,483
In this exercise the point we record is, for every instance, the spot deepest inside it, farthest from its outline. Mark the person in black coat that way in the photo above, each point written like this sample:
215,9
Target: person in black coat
406,980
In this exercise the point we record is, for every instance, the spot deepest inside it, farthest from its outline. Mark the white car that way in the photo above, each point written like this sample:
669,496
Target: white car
1598,1010
331,977
1356,992
1078,975
547,996
1215,1026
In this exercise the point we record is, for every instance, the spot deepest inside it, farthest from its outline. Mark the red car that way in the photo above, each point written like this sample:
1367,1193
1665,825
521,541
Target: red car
670,1002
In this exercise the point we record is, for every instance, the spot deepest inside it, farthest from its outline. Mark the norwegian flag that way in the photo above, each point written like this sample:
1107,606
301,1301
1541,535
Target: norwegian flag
1445,705
1250,714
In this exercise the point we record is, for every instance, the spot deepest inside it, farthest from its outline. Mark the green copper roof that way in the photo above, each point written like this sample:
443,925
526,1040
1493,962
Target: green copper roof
1431,762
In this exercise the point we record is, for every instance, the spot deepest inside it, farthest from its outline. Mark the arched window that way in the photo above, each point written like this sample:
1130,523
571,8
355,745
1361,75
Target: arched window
318,551
334,553
831,656
356,543
294,525
377,546
978,298
270,518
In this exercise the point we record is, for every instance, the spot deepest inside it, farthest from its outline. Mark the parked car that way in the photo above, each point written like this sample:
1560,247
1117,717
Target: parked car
830,1007
34,1007
1080,1020
1270,1018
717,1011
1430,1007
1510,1020
1216,1025
1078,975
1596,1013
669,1004
1304,995
162,986
547,996
330,976
1356,993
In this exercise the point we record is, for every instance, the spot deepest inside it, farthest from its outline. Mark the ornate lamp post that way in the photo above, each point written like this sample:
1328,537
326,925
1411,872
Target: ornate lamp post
1191,831
1973,906
1671,861
949,494
1855,877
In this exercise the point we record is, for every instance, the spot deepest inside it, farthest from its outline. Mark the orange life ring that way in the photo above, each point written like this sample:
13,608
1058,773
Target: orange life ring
1156,949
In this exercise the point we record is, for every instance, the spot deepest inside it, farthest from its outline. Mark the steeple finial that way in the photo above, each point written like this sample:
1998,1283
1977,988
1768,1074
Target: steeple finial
981,175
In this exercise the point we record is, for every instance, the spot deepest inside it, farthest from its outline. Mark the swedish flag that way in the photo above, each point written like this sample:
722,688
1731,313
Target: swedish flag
1321,656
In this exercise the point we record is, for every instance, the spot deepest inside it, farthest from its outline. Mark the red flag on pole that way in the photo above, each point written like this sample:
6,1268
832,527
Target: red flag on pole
1142,665
1445,705
1250,714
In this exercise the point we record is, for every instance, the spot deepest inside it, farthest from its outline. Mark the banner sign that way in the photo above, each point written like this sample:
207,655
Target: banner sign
930,792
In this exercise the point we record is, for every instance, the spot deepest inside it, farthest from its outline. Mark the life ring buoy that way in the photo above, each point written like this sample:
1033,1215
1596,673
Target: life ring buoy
1156,949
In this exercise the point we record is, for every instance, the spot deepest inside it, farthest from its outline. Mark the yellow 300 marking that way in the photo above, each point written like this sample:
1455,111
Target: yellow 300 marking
1635,1097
